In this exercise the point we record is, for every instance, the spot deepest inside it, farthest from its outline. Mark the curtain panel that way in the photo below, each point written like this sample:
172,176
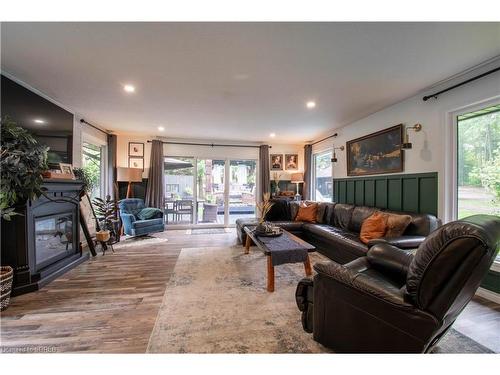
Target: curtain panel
154,191
265,178
307,189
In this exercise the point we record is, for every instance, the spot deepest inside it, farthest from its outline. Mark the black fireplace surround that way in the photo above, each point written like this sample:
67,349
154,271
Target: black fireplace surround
44,241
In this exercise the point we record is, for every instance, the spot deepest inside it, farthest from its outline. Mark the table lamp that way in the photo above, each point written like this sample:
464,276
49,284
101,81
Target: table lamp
297,178
129,175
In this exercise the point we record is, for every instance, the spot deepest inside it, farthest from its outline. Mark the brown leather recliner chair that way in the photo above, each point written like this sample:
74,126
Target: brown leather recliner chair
398,301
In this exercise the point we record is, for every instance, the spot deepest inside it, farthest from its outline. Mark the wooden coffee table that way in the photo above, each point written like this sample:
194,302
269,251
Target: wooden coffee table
253,238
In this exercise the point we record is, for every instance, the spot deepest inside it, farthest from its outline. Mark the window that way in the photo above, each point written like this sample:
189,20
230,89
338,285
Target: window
93,157
322,177
478,163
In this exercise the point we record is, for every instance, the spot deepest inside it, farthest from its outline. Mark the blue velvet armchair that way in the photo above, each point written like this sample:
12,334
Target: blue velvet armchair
139,220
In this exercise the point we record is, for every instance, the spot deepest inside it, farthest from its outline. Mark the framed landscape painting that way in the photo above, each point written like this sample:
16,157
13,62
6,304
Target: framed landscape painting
376,153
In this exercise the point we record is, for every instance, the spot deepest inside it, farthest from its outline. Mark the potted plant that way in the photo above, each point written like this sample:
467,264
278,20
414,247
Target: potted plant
276,180
106,213
22,162
263,208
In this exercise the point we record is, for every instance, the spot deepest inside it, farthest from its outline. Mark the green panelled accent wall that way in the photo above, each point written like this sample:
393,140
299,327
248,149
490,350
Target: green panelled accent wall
399,192
491,281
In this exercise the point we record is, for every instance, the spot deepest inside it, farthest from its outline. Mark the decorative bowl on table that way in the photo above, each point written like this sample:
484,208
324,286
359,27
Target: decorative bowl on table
268,230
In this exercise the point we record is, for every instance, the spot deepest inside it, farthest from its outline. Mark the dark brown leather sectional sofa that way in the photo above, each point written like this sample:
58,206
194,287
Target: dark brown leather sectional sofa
336,231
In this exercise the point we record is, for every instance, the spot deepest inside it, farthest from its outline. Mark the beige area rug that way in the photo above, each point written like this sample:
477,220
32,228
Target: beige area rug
217,302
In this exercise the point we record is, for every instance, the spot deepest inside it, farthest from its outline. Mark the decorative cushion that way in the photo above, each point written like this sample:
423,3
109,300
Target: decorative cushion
373,227
320,212
148,213
307,213
279,210
294,209
397,224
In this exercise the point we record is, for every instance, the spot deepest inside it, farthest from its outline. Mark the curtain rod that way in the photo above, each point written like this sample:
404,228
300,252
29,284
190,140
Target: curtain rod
95,127
324,139
427,97
206,144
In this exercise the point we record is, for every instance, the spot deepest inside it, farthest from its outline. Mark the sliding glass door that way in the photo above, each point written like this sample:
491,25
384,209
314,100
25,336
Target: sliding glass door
179,190
242,177
209,192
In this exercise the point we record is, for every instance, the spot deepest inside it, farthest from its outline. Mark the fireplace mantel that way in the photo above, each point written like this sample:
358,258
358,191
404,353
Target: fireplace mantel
44,242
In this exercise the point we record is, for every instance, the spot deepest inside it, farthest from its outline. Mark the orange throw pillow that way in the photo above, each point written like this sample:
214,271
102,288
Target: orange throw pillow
307,213
373,227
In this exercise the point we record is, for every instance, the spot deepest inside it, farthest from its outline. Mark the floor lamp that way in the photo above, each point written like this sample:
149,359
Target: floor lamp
129,175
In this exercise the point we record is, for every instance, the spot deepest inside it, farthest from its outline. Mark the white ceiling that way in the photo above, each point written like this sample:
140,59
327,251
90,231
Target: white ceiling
238,81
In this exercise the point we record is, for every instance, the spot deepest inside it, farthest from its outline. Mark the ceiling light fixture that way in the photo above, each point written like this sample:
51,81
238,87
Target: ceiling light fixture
161,128
311,104
272,135
39,121
129,88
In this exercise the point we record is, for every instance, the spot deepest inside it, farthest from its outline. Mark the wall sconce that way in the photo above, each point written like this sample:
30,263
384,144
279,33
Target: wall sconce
406,145
334,159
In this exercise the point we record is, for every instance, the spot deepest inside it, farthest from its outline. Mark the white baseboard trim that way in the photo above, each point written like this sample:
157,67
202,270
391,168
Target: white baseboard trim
488,294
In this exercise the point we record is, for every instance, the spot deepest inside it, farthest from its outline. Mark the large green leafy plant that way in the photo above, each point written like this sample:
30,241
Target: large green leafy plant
22,162
106,212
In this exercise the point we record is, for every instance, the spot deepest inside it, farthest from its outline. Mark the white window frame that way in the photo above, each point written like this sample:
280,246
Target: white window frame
451,160
313,169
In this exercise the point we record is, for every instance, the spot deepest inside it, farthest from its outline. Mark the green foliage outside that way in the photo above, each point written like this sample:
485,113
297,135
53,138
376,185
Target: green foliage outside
324,161
479,164
91,156
22,162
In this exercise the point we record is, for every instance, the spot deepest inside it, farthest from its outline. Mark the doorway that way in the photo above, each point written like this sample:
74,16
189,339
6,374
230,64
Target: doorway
209,192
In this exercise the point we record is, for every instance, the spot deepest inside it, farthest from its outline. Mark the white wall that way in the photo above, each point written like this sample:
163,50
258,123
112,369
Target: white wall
430,146
288,149
202,151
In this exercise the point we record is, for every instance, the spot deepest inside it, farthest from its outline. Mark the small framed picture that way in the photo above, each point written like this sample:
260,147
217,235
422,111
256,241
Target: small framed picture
136,163
136,149
276,162
291,162
67,169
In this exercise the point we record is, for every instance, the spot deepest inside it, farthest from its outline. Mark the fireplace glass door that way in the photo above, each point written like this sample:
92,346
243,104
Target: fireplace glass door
53,239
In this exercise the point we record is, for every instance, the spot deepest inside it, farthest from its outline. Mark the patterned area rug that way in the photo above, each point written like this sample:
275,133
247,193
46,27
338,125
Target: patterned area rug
208,231
216,302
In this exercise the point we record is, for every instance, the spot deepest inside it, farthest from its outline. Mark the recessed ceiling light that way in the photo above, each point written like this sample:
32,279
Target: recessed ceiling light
161,128
129,88
311,104
39,121
272,135
241,76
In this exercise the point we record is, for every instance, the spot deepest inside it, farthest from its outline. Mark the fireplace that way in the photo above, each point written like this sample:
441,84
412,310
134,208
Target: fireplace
53,239
44,242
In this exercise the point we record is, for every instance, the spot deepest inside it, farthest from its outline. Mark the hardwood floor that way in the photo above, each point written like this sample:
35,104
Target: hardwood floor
109,304
480,320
